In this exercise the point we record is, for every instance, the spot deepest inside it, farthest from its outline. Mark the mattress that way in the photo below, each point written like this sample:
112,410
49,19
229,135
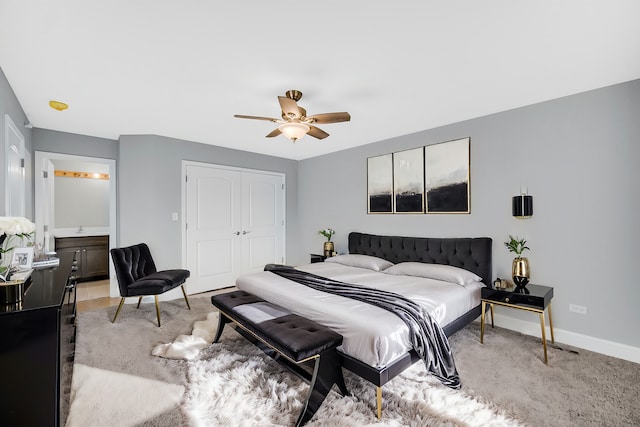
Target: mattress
370,334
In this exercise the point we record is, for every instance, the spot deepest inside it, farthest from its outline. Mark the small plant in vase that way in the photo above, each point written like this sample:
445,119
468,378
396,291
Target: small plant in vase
328,245
520,267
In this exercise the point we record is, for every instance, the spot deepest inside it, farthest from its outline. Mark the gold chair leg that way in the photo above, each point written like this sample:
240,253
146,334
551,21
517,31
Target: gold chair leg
157,309
118,310
139,301
379,402
185,297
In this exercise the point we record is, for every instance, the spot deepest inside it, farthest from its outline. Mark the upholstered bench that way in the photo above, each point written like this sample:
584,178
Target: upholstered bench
292,340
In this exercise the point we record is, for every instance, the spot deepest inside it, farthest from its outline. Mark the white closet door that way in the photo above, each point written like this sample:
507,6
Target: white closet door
235,224
262,221
214,242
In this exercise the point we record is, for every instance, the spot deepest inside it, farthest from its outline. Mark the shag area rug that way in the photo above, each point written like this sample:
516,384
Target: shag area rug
117,381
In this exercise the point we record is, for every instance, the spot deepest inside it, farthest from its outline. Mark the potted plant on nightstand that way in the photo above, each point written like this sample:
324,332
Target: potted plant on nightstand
328,245
520,266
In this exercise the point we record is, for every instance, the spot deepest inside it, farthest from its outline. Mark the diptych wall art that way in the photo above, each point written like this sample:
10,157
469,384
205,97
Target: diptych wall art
429,179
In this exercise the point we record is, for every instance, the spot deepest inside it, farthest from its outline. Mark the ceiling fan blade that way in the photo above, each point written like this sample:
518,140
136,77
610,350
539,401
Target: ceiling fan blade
289,107
273,133
317,132
269,119
330,118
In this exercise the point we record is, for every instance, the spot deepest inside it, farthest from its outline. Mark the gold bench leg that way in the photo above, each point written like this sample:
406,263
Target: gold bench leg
157,309
185,297
379,402
118,310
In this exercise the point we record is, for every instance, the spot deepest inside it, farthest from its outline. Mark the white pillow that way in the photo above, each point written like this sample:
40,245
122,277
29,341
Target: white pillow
447,273
361,261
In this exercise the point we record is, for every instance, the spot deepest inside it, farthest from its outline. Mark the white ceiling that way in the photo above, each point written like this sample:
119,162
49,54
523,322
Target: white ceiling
182,69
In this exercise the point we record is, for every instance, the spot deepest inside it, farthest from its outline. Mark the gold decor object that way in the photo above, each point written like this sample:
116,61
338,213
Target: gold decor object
328,249
520,271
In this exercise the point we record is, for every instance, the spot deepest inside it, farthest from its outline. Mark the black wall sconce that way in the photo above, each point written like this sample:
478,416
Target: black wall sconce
522,206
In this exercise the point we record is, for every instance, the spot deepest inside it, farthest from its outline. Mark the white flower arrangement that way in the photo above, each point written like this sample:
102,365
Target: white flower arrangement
16,225
10,227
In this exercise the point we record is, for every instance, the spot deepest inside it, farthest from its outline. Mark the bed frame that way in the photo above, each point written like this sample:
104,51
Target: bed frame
473,254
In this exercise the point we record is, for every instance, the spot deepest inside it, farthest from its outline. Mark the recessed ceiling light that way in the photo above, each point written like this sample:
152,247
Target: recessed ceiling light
57,105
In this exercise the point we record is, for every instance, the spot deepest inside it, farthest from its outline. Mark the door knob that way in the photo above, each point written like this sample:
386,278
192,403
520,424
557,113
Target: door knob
245,232
237,233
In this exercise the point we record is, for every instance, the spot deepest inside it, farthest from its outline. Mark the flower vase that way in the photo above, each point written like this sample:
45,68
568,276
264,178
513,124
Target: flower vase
520,271
328,249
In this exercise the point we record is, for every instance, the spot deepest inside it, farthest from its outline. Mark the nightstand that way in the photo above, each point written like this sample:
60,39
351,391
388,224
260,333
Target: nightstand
534,298
317,258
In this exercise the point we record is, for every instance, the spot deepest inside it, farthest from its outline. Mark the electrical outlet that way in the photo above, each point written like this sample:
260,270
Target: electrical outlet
580,309
174,216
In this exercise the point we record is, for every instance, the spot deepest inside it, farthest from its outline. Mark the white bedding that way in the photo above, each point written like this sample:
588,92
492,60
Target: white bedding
370,334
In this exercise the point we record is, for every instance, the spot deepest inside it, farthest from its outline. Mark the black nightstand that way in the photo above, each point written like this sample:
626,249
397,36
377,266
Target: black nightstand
317,258
535,298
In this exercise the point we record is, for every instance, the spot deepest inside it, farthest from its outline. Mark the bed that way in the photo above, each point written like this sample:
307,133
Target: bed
376,345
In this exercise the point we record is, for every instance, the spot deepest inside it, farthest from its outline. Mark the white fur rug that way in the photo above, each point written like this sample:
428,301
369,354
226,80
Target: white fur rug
232,383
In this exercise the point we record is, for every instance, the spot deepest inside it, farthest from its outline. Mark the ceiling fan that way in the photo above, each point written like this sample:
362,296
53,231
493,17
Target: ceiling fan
295,123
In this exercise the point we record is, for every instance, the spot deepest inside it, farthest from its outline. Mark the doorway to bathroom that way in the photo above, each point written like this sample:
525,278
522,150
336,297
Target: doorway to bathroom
75,211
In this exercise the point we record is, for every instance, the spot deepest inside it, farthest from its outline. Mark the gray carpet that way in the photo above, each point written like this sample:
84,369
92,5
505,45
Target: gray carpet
576,389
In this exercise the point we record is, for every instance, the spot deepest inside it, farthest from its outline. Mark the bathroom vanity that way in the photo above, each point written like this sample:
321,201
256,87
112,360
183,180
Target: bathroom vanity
93,262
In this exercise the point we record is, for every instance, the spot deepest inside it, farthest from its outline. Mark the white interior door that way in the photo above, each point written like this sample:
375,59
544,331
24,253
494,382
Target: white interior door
234,224
45,197
262,221
15,185
213,222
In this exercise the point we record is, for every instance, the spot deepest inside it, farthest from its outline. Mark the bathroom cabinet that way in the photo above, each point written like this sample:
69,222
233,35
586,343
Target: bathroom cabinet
93,259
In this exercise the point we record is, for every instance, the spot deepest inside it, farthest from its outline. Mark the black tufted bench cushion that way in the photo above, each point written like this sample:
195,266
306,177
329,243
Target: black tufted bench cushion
298,339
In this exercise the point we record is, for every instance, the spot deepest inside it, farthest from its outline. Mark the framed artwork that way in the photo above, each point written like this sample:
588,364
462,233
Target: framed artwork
447,177
408,181
380,184
22,258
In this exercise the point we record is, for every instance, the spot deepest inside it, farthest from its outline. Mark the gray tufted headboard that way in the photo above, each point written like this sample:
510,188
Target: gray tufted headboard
473,254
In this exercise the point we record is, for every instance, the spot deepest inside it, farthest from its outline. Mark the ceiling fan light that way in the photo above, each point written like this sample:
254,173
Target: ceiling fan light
294,130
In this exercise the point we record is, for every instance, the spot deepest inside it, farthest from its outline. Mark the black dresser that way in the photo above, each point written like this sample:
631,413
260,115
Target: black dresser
36,351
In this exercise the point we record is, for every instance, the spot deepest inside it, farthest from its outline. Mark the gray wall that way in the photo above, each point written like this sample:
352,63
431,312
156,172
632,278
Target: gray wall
578,157
71,143
150,189
10,105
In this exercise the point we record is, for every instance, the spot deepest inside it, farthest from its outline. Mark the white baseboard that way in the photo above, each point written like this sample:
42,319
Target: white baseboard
598,345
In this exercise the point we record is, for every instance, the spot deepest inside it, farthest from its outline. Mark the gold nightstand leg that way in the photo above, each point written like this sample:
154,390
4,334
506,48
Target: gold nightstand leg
553,340
491,308
544,337
484,306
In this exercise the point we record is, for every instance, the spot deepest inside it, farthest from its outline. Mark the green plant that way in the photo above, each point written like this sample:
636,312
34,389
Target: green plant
516,245
327,232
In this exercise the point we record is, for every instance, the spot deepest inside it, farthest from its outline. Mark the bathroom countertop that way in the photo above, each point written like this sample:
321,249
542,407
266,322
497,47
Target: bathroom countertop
83,234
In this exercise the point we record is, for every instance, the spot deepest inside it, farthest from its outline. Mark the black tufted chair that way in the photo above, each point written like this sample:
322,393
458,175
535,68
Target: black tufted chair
138,277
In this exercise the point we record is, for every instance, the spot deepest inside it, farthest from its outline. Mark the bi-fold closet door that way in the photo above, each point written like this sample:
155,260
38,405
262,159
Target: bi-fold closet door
235,223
